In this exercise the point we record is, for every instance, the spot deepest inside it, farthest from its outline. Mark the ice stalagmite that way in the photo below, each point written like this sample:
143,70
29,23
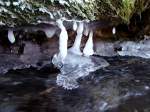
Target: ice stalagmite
88,49
63,38
76,46
11,36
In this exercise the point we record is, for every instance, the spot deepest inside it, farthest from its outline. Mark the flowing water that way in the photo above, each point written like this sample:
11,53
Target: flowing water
123,86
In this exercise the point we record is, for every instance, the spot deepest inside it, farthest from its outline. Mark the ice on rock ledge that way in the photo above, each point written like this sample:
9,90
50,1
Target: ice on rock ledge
75,67
139,49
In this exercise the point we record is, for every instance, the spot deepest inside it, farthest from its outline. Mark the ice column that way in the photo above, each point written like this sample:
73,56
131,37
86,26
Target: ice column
75,26
76,46
63,38
88,49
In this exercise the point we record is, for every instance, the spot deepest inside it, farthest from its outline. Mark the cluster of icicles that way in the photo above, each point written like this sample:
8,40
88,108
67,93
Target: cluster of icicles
80,27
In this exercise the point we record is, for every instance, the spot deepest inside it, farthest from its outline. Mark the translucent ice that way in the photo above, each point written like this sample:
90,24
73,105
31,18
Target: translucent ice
76,46
75,67
139,49
75,25
11,36
63,38
114,30
88,49
49,32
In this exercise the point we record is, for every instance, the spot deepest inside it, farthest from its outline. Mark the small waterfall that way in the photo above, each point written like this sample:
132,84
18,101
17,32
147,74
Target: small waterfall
11,36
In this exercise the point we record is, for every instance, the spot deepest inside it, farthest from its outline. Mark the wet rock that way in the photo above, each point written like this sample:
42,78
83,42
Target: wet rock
31,53
104,48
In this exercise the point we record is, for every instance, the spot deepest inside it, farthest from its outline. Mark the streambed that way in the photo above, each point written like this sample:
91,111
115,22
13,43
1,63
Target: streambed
123,86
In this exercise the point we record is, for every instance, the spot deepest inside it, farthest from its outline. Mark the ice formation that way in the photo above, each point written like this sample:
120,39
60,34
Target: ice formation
88,49
75,25
86,31
140,49
63,38
11,36
114,30
76,46
77,66
49,32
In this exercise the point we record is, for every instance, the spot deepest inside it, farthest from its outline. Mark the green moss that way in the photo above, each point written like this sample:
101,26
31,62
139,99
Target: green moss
28,11
126,10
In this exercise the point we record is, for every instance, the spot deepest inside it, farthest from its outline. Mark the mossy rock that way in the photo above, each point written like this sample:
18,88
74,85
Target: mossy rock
20,12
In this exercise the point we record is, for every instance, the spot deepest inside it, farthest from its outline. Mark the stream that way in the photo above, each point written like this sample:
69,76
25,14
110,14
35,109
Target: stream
123,86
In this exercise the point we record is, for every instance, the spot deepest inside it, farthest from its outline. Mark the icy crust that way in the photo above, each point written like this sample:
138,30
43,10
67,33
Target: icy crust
75,67
138,49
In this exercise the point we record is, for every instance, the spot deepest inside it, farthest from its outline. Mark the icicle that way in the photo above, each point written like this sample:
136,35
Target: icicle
63,38
114,30
86,31
11,36
88,49
76,46
75,26
49,32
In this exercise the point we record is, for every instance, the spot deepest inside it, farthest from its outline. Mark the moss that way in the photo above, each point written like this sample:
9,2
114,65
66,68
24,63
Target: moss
31,11
123,9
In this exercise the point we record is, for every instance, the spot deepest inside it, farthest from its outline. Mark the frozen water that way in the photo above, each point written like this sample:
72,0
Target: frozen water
86,31
63,38
76,46
75,26
11,36
75,67
49,32
140,49
114,30
88,49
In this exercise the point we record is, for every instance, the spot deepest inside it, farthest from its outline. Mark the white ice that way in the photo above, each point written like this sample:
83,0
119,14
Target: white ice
86,31
49,32
138,49
75,26
114,30
77,66
88,49
11,36
76,46
63,38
